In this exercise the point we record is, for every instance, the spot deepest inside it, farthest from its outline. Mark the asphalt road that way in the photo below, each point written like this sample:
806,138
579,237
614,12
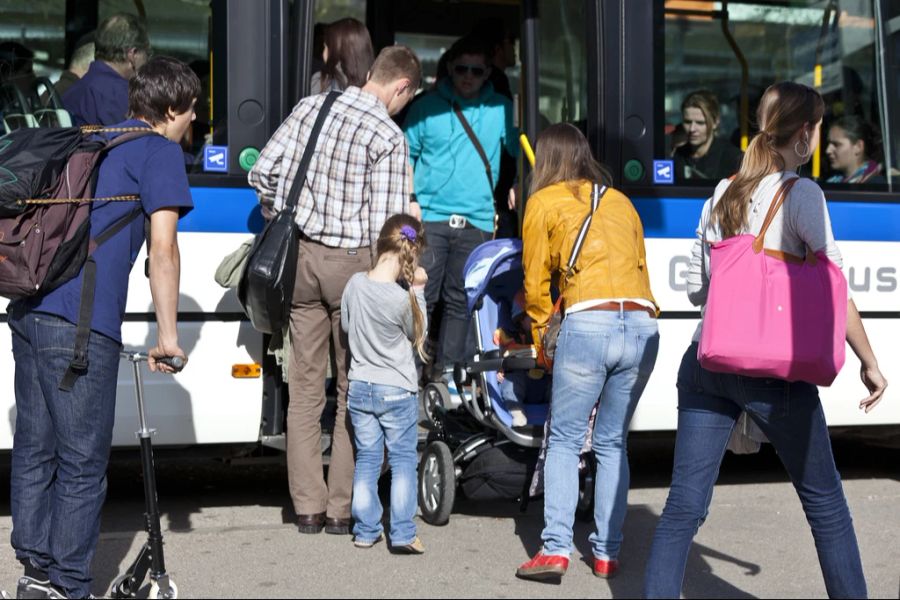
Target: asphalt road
229,533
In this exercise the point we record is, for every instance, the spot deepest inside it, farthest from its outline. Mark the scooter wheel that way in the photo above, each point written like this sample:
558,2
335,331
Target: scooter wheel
155,592
120,587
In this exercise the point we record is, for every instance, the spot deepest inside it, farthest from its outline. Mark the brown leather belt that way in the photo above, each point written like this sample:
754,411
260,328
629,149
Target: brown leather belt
625,306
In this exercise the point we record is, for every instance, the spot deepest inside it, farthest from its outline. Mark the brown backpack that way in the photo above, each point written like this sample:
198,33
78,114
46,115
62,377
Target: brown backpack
49,242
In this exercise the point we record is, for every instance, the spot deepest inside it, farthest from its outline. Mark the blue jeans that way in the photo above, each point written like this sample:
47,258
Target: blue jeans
605,356
384,414
790,415
61,448
444,259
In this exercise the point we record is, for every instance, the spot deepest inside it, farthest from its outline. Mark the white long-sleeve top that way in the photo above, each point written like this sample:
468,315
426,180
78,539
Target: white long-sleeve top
802,221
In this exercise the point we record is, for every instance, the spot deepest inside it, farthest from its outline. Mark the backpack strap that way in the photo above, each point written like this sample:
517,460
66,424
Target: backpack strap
79,364
597,193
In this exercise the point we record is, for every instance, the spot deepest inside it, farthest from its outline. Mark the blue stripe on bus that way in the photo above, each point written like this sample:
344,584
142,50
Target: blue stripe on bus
235,210
851,221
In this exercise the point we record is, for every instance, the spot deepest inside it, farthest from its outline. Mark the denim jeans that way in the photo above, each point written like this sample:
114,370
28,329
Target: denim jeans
61,448
790,414
444,259
384,414
605,356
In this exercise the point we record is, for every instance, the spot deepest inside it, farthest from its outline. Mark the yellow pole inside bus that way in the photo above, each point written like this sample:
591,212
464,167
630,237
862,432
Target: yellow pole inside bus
817,155
526,147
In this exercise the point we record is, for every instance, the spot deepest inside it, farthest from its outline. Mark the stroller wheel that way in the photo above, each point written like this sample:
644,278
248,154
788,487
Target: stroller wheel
437,483
584,510
433,396
155,592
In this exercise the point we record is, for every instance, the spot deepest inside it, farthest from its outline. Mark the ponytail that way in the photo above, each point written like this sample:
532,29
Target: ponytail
784,108
761,159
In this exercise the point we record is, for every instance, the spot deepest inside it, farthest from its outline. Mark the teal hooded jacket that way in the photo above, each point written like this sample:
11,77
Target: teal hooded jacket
450,178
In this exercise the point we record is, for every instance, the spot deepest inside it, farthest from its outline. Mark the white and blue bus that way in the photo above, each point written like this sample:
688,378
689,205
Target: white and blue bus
618,69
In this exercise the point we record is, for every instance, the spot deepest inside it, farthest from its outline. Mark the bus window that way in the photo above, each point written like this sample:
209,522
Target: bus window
712,85
328,11
562,94
182,30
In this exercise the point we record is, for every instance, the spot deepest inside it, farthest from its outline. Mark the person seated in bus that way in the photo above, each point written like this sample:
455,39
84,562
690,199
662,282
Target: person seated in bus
82,57
789,413
852,151
347,56
63,438
121,47
454,181
358,178
704,155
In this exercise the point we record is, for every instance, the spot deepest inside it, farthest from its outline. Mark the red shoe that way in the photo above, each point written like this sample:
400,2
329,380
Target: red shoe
543,567
606,569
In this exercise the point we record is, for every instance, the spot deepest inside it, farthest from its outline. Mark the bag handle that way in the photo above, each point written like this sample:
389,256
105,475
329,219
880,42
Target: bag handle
596,194
300,177
475,142
780,196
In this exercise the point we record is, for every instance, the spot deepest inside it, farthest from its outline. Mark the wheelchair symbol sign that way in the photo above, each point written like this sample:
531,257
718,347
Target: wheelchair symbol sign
215,159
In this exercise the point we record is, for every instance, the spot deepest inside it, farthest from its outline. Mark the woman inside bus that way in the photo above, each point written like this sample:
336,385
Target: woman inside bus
607,345
852,150
789,413
347,55
703,155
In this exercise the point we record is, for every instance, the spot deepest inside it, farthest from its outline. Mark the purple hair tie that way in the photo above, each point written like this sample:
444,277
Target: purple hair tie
408,232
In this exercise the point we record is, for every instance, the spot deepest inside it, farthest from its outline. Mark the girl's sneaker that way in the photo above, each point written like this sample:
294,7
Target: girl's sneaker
517,412
366,544
414,547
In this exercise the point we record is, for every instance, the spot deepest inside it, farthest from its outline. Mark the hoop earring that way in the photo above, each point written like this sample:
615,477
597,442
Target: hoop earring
805,154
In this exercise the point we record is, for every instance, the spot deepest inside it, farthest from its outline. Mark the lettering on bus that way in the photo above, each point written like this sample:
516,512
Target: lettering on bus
860,279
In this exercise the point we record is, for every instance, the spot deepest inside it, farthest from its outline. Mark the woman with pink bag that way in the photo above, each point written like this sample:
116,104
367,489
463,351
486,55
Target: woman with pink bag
797,230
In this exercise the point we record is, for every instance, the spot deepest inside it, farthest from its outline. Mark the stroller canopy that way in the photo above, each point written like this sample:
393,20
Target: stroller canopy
488,262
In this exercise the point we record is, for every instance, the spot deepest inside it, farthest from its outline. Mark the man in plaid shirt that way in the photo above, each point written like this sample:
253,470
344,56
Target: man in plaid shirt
358,178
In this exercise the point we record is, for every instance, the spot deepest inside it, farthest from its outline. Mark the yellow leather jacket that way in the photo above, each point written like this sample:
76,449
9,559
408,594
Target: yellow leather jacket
613,260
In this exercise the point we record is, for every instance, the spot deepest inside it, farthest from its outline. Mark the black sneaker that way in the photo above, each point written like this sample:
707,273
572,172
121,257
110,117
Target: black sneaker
29,587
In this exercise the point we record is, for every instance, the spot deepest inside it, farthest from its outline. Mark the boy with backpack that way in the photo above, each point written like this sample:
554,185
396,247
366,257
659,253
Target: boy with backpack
66,364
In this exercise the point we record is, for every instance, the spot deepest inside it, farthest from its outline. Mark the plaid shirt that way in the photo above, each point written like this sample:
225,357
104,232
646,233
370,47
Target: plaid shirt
357,177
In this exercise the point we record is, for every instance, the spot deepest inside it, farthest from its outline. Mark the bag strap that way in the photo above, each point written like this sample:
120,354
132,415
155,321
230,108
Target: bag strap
780,196
79,364
475,142
300,176
597,193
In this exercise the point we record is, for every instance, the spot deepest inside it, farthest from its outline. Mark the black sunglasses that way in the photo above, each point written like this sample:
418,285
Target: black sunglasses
476,70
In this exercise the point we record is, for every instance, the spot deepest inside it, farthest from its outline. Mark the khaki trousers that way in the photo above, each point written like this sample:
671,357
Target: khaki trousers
322,274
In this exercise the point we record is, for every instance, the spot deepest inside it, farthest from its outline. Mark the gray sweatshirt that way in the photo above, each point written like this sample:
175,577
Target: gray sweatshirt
379,324
802,221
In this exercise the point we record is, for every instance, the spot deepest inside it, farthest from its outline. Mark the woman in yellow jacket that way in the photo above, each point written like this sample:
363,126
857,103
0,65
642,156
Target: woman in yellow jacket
607,345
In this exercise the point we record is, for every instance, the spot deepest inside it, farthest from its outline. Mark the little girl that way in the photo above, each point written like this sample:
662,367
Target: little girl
382,312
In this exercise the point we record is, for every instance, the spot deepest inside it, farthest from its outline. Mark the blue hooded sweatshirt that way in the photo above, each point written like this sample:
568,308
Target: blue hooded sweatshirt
450,178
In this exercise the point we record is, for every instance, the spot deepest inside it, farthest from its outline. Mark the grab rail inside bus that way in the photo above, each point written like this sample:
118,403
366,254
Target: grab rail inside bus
827,17
722,15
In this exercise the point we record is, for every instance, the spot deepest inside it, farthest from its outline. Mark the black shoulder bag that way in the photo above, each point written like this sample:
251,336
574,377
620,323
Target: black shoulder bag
551,334
267,281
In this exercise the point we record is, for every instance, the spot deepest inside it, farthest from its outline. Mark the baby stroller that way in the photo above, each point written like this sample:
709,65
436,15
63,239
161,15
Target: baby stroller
472,442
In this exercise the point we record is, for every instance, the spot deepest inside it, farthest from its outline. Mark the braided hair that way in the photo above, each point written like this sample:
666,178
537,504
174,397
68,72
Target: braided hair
404,235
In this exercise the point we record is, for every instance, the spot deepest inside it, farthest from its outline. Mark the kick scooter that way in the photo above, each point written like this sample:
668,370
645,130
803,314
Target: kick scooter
151,558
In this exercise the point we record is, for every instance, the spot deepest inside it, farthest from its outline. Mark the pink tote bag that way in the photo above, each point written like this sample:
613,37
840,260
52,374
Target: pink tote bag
772,314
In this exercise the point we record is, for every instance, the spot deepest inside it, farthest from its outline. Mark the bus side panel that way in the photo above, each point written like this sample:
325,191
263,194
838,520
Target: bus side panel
870,267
